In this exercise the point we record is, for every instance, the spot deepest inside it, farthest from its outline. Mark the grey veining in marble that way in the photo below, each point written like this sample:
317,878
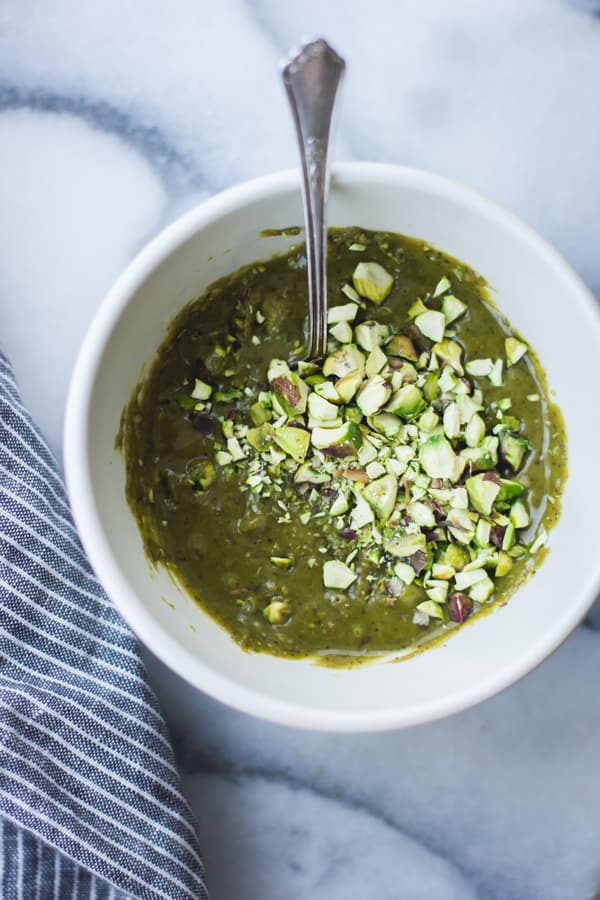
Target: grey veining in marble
117,116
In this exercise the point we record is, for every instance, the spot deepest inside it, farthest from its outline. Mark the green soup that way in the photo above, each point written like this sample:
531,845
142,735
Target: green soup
221,500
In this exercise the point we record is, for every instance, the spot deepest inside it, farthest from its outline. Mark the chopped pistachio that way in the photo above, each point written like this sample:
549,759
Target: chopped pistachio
475,431
234,449
342,332
276,612
201,474
449,352
388,428
227,428
348,384
504,564
341,441
202,390
442,571
274,457
422,514
345,360
420,618
227,396
460,526
350,293
455,556
290,391
459,498
185,401
429,421
451,421
437,590
362,514
259,414
372,281
375,469
293,441
483,590
509,490
519,515
515,350
431,608
407,402
432,324
386,423
495,376
345,313
479,367
512,449
407,374
417,308
373,395
369,335
376,360
405,572
486,557
340,505
447,381
452,308
381,494
223,458
539,541
338,575
321,409
437,457
260,437
405,546
517,551
441,287
305,474
482,492
327,390
466,579
367,453
482,458
509,538
482,533
401,345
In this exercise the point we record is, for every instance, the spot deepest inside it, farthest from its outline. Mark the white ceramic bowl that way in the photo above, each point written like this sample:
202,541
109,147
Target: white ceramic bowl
543,298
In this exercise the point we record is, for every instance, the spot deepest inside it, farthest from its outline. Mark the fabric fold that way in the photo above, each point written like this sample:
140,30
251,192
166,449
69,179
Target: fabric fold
90,797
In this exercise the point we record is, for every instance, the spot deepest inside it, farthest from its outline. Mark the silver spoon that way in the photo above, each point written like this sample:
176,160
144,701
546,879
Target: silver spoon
312,78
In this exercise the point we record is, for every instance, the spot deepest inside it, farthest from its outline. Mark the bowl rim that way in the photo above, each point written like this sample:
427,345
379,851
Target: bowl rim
81,493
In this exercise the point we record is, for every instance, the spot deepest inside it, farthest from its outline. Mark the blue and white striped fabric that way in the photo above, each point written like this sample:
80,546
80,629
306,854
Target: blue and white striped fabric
90,799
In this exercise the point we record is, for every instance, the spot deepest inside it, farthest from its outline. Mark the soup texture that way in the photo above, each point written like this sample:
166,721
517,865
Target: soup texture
363,503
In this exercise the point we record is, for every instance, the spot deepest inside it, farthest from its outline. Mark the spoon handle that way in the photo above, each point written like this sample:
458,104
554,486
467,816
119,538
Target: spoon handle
312,78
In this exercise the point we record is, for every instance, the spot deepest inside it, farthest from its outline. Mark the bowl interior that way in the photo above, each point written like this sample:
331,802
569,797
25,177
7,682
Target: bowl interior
542,298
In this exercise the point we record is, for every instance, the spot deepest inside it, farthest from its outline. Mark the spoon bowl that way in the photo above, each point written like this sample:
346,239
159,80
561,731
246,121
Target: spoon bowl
312,79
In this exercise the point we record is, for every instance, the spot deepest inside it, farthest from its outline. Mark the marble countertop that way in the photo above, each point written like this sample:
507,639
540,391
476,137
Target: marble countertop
117,116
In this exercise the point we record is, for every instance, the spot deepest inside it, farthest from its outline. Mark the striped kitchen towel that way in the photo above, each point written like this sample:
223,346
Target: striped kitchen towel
90,799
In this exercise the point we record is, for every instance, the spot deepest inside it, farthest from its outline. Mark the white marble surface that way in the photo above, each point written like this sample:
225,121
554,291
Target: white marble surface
114,117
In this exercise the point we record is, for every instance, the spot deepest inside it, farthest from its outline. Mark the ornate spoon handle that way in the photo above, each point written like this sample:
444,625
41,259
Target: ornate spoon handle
312,78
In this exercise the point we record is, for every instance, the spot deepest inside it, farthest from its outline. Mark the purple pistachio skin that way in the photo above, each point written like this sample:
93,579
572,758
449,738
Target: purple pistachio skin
418,561
460,607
